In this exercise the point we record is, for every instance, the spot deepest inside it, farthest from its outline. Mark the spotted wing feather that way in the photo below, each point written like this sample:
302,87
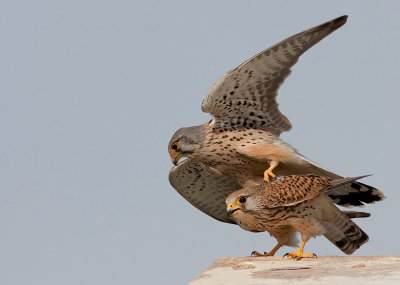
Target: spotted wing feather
207,192
245,96
293,189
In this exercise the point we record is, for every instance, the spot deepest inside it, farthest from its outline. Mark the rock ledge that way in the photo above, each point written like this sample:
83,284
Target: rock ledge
321,270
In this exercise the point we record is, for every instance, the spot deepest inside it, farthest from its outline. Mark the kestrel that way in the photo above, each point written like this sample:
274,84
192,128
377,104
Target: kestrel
240,146
297,203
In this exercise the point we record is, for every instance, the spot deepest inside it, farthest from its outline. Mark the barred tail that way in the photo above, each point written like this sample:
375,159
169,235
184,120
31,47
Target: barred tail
343,232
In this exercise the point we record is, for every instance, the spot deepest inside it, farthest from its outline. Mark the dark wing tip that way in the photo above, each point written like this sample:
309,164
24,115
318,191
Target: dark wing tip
331,26
341,19
338,22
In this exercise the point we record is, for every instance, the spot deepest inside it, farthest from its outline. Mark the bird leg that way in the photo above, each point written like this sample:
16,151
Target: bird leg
268,172
299,253
271,253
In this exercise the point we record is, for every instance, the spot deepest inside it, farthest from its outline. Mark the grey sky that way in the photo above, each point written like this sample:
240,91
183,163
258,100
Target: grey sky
91,92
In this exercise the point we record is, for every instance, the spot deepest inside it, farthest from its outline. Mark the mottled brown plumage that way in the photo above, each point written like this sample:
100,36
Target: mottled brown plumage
297,203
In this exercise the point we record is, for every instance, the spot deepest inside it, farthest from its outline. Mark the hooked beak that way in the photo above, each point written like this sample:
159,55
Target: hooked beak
175,158
231,209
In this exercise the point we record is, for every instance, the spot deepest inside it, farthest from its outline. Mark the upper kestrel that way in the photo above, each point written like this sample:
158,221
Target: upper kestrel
297,203
240,146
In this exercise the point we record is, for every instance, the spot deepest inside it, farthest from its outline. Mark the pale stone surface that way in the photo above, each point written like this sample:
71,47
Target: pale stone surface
322,270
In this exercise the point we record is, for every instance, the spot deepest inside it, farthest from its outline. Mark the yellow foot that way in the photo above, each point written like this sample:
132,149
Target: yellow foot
257,254
299,255
267,174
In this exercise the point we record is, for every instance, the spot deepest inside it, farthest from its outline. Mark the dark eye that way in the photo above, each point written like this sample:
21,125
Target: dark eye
175,146
242,200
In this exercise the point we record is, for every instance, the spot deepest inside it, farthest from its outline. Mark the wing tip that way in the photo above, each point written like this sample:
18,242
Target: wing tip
338,22
342,19
330,26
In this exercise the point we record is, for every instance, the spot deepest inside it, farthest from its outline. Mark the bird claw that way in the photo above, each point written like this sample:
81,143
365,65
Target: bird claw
257,254
267,174
299,255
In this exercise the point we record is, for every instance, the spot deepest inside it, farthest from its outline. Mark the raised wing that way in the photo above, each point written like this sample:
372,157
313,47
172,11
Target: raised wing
207,192
245,96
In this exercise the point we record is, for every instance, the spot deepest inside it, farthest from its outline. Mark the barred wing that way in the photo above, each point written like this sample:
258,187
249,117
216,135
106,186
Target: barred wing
245,96
207,192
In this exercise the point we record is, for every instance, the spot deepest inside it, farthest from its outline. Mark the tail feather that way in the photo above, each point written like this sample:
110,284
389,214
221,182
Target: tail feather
345,180
343,232
355,214
355,194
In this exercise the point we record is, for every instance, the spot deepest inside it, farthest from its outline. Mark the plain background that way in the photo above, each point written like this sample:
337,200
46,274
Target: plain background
92,91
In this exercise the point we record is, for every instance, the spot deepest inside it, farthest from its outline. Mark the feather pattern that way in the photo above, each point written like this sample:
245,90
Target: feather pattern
297,203
207,192
245,96
241,144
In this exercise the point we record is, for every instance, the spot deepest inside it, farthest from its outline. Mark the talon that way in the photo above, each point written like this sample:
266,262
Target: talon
257,254
271,253
286,254
297,255
314,255
268,173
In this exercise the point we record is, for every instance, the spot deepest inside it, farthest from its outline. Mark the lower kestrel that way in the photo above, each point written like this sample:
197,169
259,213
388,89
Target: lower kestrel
297,203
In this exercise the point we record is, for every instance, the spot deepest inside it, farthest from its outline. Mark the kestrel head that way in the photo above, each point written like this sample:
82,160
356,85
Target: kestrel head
243,203
185,142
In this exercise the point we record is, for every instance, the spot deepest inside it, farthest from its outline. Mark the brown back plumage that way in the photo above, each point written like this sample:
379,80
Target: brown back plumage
294,189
